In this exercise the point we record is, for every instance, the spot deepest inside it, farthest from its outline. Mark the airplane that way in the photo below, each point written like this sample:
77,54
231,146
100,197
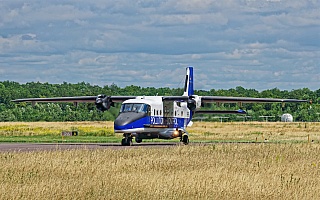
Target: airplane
163,117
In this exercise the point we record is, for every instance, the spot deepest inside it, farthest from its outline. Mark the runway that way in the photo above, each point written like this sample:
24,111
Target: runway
29,147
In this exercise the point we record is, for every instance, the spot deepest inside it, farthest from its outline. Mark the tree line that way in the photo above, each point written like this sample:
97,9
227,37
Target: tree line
10,90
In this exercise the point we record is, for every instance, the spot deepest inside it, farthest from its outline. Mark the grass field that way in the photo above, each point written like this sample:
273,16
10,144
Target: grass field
215,171
283,164
276,132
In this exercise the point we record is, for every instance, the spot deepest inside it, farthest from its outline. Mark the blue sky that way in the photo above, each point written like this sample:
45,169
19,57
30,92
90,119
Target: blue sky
258,44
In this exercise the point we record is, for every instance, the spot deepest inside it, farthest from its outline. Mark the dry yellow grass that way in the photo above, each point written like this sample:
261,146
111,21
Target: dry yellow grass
231,131
257,131
217,171
51,128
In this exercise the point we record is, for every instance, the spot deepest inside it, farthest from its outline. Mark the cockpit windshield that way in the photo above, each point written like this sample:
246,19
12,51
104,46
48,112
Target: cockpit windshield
134,107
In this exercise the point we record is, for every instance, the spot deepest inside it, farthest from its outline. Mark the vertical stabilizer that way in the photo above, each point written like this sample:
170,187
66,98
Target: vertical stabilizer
188,86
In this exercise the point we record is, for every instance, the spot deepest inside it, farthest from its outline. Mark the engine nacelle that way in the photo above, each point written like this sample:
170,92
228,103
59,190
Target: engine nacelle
194,102
103,102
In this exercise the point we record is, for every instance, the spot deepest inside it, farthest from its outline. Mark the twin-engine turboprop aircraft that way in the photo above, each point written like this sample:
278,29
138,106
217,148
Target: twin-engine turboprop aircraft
164,117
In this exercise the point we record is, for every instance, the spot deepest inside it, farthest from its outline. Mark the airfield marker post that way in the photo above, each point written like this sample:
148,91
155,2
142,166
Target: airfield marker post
68,133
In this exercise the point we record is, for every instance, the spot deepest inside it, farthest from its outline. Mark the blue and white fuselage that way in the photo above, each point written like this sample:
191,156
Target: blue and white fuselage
147,117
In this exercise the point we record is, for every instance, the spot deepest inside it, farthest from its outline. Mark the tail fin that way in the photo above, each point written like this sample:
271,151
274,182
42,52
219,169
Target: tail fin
188,86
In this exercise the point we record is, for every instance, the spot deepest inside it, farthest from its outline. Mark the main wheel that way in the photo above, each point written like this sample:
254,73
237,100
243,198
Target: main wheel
185,139
138,140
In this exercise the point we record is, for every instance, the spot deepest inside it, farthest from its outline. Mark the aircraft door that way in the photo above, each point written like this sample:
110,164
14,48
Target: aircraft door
168,109
168,113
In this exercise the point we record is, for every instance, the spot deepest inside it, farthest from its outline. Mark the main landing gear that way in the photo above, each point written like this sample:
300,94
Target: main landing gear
127,140
184,139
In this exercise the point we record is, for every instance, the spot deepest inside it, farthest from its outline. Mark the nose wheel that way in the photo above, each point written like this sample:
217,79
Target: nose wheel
127,140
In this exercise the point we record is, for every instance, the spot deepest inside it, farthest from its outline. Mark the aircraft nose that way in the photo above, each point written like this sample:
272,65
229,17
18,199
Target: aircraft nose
124,119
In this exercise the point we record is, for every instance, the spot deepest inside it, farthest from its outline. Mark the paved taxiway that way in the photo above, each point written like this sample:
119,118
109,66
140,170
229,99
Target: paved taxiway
25,147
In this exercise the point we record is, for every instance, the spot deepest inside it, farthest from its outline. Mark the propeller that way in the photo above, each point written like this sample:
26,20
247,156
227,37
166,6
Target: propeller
103,102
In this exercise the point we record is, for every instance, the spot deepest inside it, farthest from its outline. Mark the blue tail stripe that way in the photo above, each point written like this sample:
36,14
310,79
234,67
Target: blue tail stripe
190,89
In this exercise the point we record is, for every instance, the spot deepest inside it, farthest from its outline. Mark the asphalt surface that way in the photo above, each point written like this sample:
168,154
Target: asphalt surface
28,147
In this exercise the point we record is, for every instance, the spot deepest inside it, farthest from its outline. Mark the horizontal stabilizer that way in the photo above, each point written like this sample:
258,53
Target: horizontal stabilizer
242,112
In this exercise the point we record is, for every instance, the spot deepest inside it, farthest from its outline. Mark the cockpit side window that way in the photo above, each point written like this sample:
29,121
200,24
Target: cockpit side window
126,107
148,109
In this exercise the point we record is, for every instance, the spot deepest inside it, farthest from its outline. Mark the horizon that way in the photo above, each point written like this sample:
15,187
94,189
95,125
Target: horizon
122,87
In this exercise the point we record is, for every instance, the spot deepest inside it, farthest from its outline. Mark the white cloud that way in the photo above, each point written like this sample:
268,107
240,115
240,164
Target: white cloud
229,42
21,43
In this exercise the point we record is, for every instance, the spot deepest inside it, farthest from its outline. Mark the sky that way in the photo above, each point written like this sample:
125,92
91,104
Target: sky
255,44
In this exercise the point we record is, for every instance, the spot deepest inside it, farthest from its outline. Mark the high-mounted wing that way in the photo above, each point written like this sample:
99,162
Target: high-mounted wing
89,99
102,102
194,102
224,99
